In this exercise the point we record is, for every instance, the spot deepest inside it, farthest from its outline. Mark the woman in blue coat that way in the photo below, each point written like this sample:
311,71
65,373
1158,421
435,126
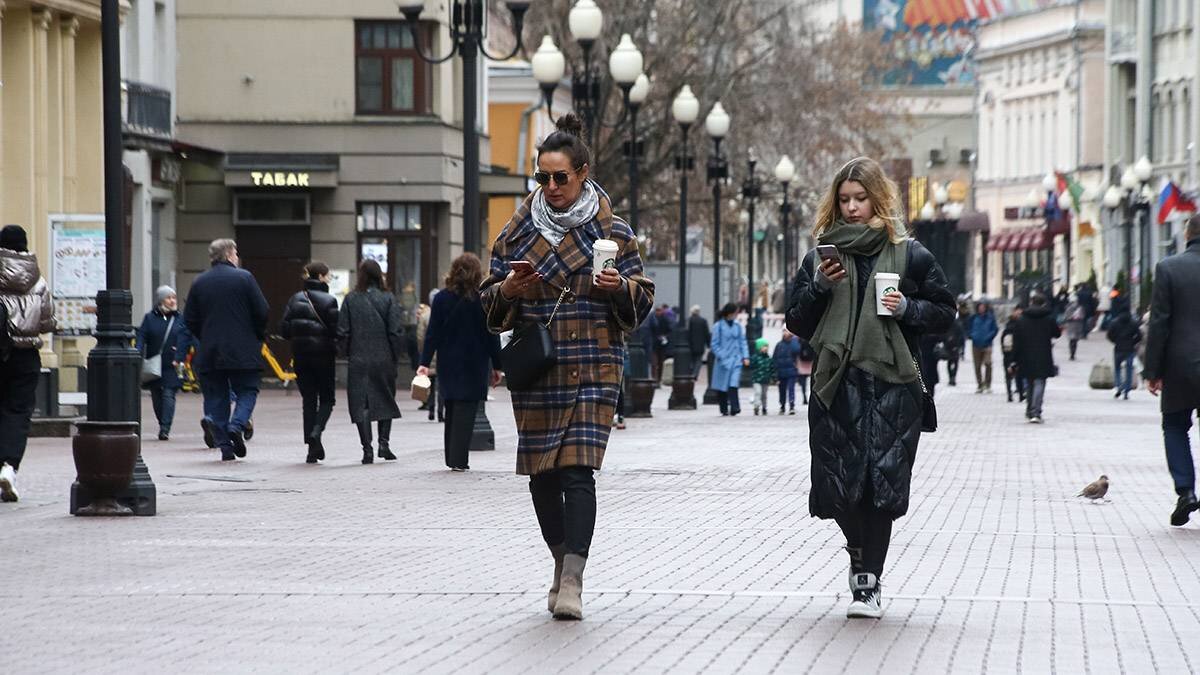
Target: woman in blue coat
468,355
729,354
172,348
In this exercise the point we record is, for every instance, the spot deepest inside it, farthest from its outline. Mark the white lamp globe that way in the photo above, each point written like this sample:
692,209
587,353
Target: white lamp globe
586,21
625,63
1129,179
640,90
685,109
1112,197
1033,199
1049,182
785,170
927,211
1064,201
1091,193
940,194
717,122
549,66
1143,169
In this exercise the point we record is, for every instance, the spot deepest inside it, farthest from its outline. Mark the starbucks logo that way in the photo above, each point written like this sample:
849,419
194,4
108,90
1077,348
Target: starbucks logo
610,264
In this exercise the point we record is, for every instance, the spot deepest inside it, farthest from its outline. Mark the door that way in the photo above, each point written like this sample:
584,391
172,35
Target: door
276,256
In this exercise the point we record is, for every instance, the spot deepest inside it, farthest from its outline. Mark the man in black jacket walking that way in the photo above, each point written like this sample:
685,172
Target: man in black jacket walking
310,322
1173,362
1033,342
227,313
699,337
1124,333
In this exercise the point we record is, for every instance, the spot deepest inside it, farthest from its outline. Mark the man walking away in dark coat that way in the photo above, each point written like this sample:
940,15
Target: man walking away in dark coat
1033,341
1124,333
1173,361
698,338
1012,376
227,313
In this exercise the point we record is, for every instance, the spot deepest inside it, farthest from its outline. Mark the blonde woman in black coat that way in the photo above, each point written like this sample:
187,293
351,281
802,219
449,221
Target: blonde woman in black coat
865,413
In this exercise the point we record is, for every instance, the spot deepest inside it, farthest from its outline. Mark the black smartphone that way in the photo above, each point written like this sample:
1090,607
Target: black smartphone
522,267
828,252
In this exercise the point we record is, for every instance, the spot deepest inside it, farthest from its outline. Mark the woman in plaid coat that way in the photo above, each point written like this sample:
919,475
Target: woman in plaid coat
563,423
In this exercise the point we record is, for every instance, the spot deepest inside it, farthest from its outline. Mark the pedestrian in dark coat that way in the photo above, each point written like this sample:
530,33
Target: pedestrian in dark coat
227,314
27,312
698,338
1172,365
310,322
1033,342
564,421
787,357
369,325
171,347
1125,334
661,327
468,352
865,417
1013,381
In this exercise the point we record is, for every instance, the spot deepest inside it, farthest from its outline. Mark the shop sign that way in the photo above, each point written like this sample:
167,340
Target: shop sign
279,178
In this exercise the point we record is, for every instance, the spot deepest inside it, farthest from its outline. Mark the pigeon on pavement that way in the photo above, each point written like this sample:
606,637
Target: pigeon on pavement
1096,490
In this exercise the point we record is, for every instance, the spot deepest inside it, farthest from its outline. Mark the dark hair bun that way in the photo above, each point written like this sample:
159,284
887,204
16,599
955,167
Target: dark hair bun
570,124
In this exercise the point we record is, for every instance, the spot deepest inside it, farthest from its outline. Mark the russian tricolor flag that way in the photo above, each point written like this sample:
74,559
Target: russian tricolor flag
1172,199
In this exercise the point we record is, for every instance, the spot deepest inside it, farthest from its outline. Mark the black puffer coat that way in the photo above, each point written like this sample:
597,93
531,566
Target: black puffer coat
872,429
310,322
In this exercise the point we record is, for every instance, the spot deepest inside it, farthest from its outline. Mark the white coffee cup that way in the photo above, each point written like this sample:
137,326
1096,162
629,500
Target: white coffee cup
604,255
885,282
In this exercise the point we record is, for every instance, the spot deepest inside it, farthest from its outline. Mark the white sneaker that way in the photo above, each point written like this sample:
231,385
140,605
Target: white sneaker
868,597
8,484
1035,420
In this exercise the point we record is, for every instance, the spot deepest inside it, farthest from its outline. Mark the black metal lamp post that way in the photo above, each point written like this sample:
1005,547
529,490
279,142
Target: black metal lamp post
717,125
685,109
1130,197
751,191
466,35
785,171
111,478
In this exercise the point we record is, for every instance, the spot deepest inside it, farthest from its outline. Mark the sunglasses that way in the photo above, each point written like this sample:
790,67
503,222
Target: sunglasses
561,178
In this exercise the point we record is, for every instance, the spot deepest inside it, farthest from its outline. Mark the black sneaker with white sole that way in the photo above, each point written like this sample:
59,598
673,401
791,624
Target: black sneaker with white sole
867,592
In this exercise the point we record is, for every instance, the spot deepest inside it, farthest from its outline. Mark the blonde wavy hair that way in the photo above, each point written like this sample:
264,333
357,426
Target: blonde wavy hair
884,195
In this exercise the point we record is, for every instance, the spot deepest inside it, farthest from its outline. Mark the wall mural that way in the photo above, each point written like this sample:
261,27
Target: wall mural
933,41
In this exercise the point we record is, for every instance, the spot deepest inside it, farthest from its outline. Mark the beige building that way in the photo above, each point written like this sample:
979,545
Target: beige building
51,144
314,130
1041,75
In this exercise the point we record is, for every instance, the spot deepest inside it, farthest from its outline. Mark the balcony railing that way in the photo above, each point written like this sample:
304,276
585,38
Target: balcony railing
147,110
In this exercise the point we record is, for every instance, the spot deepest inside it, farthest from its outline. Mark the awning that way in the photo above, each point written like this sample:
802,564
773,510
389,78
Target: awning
1014,241
997,241
973,221
1035,239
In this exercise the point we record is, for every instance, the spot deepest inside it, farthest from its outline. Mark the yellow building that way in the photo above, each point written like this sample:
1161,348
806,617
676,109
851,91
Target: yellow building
51,147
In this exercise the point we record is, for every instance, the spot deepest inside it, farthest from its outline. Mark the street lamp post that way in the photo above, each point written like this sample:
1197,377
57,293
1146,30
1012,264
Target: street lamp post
685,110
785,171
466,36
112,478
1133,200
751,191
717,125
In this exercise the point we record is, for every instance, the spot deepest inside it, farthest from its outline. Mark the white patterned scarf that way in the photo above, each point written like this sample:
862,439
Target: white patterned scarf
554,224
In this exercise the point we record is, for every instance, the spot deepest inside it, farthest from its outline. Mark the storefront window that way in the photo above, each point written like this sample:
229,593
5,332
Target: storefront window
392,234
271,209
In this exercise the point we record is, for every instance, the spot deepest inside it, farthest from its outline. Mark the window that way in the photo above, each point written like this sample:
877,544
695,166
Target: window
271,209
385,217
391,78
402,238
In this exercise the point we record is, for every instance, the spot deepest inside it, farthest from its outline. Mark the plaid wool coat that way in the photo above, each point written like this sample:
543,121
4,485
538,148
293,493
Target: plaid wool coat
566,419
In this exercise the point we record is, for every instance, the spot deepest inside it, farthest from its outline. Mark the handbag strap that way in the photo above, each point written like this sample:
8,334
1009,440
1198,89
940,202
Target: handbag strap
314,309
166,336
920,378
561,297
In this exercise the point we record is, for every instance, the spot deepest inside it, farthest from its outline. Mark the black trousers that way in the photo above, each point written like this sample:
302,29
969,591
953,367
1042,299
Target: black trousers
728,402
460,424
565,503
385,433
952,369
868,533
315,380
18,387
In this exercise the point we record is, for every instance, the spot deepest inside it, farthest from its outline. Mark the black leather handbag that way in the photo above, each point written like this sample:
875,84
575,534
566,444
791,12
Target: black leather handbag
529,355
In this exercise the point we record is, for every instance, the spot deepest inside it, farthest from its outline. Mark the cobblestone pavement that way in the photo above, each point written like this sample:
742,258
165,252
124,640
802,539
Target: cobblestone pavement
705,558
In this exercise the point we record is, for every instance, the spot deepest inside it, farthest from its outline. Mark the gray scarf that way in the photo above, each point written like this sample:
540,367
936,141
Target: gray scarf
554,224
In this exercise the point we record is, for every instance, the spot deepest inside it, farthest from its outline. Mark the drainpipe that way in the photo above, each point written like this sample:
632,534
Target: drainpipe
523,136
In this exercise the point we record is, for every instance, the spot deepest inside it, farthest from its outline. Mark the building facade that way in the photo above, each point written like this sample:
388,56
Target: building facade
1041,75
1153,56
316,131
51,145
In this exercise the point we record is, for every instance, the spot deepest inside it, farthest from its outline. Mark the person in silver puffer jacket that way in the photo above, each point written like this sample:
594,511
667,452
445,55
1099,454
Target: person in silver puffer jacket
29,312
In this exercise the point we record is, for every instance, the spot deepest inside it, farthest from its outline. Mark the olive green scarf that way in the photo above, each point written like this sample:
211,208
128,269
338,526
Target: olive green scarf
853,335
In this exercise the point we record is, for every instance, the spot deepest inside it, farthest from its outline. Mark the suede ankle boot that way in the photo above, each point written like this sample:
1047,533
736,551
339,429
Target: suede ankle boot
384,451
569,605
558,551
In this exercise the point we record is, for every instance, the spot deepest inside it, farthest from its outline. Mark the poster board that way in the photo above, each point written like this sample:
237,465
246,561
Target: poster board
76,270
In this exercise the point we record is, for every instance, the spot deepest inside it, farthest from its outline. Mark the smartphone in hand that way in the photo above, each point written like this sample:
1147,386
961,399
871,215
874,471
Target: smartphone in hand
522,267
828,252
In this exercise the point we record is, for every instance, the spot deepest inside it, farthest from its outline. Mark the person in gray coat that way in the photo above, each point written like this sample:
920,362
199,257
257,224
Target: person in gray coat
369,326
1172,365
